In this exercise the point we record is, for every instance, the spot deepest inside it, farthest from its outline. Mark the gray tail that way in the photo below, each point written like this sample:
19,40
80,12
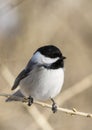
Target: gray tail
17,96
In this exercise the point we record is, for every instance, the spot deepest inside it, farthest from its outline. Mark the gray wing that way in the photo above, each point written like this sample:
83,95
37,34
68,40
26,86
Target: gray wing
24,73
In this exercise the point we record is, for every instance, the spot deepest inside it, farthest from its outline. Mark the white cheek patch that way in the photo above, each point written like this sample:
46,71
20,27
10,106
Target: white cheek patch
41,59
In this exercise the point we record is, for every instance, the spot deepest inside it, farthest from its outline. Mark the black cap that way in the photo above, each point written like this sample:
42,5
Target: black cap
50,51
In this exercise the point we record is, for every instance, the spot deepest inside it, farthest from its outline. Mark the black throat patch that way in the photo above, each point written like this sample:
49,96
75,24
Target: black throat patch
56,65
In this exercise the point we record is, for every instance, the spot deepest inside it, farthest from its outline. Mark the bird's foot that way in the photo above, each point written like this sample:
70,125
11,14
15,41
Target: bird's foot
54,106
30,101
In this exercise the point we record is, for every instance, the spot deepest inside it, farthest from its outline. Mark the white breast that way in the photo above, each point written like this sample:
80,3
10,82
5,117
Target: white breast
42,83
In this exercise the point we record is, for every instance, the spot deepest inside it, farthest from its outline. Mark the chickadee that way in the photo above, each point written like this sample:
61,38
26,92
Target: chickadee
43,77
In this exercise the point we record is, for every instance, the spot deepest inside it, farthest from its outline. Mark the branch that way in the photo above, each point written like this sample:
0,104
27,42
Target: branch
68,111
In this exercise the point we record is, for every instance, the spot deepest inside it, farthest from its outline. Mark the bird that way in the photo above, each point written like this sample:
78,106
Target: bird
43,77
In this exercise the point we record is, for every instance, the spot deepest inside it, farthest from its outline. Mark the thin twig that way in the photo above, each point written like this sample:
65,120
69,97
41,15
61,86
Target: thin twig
68,111
34,112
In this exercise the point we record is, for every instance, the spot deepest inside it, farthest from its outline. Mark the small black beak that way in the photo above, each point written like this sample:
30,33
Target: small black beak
64,57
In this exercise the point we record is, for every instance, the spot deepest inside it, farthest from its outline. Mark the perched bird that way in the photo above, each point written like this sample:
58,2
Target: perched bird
43,77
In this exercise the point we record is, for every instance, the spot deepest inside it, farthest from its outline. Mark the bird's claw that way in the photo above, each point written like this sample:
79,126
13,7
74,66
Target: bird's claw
30,101
54,106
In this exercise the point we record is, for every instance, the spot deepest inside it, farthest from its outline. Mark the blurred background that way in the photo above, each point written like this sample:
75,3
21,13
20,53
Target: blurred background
26,25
